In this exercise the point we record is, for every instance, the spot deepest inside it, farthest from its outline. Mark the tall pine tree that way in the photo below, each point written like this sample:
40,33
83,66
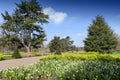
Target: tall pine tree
100,37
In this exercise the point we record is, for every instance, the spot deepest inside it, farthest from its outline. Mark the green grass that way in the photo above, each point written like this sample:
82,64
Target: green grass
7,57
116,53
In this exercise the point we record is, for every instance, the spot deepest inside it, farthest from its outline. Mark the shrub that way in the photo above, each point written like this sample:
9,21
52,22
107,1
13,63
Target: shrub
16,54
105,57
85,56
1,56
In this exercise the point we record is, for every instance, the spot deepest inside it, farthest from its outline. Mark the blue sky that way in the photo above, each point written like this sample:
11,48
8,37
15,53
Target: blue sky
73,17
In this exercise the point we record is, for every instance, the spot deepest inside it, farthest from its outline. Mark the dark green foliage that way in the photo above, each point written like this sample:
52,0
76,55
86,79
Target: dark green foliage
118,45
93,70
55,45
58,45
16,54
100,37
1,56
66,44
23,23
10,42
74,48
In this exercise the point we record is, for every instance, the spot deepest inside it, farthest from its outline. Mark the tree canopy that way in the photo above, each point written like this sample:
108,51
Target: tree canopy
25,24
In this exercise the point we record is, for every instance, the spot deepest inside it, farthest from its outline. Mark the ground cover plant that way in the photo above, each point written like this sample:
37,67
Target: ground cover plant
67,68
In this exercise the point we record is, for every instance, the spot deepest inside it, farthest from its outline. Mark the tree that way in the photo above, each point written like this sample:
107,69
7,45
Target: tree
55,45
58,45
25,24
100,37
66,44
74,48
10,42
118,45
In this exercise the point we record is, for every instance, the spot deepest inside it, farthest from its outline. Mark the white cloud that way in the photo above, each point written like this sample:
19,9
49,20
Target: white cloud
1,20
79,34
57,17
84,34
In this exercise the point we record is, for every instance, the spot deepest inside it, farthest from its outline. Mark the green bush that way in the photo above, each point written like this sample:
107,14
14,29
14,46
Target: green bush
1,56
16,54
105,57
84,56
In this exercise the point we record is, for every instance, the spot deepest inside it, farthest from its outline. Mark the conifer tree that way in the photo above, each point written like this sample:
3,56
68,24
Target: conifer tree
59,45
25,23
100,37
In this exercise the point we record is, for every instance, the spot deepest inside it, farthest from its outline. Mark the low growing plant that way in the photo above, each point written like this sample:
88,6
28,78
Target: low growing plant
1,56
65,70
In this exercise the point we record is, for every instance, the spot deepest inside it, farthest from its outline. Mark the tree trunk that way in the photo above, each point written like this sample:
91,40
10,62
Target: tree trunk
28,49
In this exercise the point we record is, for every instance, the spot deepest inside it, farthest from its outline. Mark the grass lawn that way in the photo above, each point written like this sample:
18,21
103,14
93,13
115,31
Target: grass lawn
116,54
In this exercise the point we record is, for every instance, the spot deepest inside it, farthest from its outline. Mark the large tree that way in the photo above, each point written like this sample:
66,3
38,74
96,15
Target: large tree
25,23
100,37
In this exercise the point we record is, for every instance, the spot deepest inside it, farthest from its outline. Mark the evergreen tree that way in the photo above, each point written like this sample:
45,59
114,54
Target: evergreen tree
118,44
24,24
58,45
100,37
55,45
66,44
10,42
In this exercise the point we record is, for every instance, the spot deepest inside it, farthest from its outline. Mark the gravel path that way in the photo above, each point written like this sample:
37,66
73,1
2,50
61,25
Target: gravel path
18,62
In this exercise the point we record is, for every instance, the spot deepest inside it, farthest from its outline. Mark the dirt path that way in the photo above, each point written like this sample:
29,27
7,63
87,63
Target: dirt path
18,62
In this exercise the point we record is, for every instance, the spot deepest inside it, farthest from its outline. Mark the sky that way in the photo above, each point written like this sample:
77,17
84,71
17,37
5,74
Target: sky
72,17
